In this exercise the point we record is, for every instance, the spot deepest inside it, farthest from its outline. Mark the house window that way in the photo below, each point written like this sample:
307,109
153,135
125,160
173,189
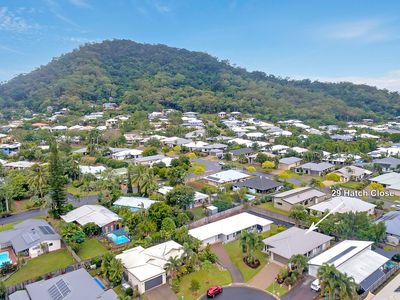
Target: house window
50,244
279,203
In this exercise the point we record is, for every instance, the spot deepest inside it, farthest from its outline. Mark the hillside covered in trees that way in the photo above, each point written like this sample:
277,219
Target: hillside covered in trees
150,77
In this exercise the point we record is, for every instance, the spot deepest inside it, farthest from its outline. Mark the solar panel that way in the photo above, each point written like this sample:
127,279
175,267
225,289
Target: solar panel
59,290
46,230
336,257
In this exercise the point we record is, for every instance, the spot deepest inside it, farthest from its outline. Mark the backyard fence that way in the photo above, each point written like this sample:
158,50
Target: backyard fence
217,216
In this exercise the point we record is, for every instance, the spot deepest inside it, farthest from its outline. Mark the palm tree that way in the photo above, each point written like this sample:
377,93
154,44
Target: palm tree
298,262
172,266
38,179
250,242
336,284
149,182
138,173
115,271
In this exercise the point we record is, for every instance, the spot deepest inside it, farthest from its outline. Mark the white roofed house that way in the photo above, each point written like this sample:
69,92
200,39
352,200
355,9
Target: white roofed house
134,203
18,165
127,154
305,196
144,268
390,181
199,198
229,176
288,163
107,220
230,228
352,173
94,170
344,205
354,258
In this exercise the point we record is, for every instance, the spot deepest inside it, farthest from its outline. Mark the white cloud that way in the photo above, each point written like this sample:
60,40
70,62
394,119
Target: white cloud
368,30
9,49
389,81
162,8
9,21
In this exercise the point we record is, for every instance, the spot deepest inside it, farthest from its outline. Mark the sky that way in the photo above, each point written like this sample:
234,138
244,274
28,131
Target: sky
327,40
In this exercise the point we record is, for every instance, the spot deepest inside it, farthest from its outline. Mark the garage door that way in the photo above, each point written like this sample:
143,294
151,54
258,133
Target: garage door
153,282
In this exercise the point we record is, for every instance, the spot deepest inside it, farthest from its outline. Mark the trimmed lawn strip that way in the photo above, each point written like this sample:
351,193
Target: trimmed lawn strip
235,254
198,212
214,276
276,289
41,265
270,207
91,248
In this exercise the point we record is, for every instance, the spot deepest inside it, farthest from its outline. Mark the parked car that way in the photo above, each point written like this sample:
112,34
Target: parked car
214,291
315,286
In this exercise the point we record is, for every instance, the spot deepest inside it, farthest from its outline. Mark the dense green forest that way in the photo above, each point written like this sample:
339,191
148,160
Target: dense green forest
150,77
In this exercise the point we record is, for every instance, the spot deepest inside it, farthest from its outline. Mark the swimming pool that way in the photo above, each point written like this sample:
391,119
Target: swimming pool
99,283
390,264
118,239
4,258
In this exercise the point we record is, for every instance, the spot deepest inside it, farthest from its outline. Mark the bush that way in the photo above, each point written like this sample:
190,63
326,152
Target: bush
91,229
194,285
333,177
175,286
129,291
268,164
251,169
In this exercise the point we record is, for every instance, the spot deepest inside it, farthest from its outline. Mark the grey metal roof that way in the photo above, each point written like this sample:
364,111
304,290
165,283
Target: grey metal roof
243,151
28,234
289,160
19,295
318,167
392,222
391,161
294,241
260,183
79,283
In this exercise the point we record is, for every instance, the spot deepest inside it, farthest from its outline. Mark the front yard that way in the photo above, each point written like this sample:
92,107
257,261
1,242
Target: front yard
41,265
91,248
276,289
214,276
235,254
270,207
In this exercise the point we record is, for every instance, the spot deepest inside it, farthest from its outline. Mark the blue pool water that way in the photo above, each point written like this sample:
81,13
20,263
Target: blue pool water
4,258
390,264
118,239
99,283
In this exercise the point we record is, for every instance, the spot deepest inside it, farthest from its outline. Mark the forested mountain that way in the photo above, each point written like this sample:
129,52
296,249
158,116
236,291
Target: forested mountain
148,77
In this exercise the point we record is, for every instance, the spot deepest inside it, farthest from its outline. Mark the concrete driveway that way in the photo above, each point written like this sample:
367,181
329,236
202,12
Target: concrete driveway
226,262
302,290
162,292
265,277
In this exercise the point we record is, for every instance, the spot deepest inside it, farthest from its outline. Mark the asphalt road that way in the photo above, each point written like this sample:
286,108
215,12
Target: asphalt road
241,293
29,214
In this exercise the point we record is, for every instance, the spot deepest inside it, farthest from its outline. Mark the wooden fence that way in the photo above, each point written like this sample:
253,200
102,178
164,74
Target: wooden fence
217,216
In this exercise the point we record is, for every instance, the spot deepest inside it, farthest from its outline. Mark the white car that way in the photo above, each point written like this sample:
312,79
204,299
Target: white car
315,286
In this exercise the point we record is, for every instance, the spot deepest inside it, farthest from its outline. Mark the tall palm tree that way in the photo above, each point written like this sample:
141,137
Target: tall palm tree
250,242
38,179
172,266
137,176
149,182
115,271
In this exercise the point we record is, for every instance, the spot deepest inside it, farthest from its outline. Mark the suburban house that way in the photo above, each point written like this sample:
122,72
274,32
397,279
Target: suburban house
356,259
10,149
305,196
107,220
258,185
288,163
215,149
344,205
228,176
340,159
282,246
94,170
144,268
152,159
110,106
30,238
249,153
127,154
74,285
134,203
230,228
315,169
199,198
392,223
18,165
388,164
352,173
390,181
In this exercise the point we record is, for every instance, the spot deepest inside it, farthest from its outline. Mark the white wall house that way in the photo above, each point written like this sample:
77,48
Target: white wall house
144,268
230,228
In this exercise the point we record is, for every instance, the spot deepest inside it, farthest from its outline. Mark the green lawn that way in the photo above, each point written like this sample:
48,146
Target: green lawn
198,212
77,192
235,254
352,185
41,265
119,291
91,248
270,207
276,289
10,226
214,276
